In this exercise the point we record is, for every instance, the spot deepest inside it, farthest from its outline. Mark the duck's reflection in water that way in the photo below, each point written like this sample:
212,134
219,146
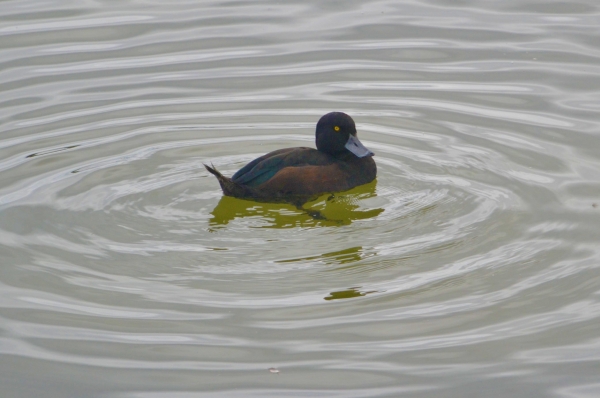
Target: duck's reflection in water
328,210
345,294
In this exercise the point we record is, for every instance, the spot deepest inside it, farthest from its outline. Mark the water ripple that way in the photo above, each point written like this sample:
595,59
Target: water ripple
471,262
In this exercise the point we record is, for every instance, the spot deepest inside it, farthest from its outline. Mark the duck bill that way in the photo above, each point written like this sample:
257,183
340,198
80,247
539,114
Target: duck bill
357,148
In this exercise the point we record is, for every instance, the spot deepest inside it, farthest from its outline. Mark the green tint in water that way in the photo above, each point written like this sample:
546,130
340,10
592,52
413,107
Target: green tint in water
345,294
328,210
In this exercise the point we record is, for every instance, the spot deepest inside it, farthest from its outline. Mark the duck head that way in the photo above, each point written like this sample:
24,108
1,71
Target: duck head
336,135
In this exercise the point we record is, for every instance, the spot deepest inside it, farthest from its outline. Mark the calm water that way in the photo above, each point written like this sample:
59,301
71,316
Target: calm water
470,268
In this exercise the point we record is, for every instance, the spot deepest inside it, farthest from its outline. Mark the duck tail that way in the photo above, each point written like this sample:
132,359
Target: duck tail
229,187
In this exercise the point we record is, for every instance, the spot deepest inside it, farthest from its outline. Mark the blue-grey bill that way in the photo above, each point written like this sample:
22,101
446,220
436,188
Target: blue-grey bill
357,148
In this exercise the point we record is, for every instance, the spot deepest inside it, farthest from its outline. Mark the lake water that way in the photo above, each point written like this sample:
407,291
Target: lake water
469,268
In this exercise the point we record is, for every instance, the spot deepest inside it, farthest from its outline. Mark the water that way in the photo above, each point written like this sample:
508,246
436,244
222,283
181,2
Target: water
468,269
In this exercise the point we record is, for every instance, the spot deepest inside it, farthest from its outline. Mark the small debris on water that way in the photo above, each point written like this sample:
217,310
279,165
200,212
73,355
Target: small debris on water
273,370
594,205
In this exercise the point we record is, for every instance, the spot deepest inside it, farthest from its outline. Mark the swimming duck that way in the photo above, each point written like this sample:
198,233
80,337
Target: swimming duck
297,175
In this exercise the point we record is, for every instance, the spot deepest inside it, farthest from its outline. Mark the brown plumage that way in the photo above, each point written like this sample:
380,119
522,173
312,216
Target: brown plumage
296,175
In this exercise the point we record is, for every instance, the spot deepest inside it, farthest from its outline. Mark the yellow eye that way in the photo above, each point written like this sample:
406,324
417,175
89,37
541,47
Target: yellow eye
337,128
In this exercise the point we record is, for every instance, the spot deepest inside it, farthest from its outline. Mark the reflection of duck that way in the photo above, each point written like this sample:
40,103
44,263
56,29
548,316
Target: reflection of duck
332,210
349,293
296,175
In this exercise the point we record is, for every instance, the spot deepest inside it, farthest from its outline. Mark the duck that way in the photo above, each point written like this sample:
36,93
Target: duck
300,174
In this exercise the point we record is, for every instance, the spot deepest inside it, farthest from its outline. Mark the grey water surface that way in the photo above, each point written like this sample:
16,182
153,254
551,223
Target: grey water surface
469,268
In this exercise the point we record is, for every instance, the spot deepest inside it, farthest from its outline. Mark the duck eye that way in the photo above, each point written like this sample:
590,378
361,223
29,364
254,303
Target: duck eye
337,128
